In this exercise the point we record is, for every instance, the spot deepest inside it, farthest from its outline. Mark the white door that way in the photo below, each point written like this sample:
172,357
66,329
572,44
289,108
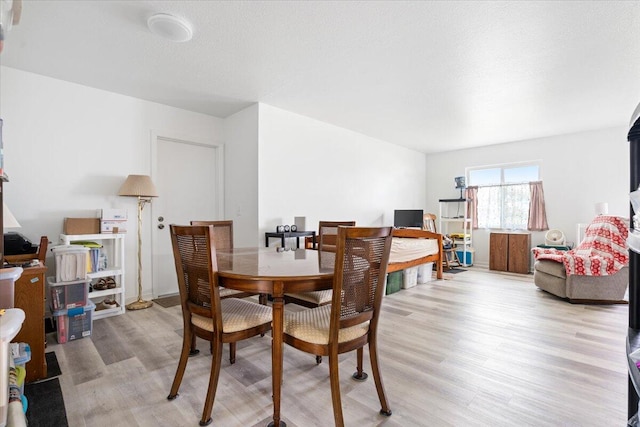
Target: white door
188,176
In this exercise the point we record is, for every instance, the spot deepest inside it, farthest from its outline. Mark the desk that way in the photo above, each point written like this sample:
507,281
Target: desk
263,270
283,236
29,296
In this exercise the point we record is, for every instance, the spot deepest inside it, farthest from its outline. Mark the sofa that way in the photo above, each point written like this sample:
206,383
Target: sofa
596,271
552,277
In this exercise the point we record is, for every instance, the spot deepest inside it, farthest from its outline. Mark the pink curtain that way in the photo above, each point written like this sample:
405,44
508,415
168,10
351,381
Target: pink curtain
537,212
471,194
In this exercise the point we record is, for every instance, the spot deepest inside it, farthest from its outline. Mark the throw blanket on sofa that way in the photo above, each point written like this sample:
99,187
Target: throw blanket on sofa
602,252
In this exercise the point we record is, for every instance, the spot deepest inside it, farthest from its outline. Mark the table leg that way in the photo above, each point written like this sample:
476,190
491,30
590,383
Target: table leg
283,240
276,351
266,241
298,242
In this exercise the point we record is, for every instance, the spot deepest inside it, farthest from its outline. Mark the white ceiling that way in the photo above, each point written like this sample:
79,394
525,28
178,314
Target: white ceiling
432,76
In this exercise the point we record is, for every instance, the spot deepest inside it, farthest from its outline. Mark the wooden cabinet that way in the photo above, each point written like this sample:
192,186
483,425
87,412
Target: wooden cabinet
510,252
29,296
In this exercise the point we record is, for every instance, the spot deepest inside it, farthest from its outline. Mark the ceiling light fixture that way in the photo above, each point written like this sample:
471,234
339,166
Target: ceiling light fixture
170,27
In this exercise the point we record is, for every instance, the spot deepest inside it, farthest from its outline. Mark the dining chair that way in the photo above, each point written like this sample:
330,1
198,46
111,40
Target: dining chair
326,242
223,239
204,314
351,321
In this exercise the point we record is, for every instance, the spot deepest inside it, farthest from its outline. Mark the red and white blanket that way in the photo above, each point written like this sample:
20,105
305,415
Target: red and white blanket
602,252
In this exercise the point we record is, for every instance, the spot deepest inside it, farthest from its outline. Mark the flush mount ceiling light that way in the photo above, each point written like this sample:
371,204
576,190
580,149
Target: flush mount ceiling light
170,27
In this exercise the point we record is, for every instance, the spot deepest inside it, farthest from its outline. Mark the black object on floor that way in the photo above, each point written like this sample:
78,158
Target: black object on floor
53,369
49,326
169,301
455,270
46,404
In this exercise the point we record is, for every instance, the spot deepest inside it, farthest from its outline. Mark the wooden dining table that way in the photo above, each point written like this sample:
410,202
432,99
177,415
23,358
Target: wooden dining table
275,271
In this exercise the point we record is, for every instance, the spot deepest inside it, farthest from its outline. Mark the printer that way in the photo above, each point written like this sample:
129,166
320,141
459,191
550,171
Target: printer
17,244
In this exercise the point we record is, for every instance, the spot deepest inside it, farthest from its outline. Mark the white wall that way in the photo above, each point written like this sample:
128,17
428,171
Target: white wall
322,172
577,170
68,148
241,175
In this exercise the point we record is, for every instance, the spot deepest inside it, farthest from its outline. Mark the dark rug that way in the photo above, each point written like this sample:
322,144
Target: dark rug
455,270
169,301
46,405
53,369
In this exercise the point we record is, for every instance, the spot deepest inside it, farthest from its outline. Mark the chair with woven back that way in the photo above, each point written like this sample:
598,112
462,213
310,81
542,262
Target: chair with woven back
448,249
204,314
326,242
223,239
351,321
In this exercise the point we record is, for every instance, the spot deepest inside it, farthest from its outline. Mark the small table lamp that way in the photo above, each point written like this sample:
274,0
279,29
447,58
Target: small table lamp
142,187
8,220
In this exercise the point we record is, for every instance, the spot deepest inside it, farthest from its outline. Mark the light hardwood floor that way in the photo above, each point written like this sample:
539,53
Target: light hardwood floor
478,349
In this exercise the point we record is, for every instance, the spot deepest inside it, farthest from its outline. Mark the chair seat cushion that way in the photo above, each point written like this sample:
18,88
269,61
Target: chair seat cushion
313,326
315,297
237,314
553,268
227,293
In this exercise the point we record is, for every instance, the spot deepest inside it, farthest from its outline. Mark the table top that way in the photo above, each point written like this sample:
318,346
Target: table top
275,264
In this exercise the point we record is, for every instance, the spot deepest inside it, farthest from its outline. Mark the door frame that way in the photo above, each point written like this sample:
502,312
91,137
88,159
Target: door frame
218,148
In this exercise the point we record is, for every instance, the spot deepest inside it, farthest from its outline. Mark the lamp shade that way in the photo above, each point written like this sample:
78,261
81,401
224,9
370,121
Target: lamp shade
8,220
138,185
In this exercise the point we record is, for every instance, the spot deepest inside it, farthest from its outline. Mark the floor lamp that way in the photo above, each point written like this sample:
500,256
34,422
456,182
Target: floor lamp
142,187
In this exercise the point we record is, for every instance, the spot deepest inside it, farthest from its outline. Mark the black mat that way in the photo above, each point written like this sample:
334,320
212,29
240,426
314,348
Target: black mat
455,270
53,369
46,405
169,301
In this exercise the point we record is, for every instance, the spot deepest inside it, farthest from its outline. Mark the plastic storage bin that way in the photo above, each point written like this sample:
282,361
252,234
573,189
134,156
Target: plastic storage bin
394,282
425,272
8,277
10,325
409,277
469,258
66,295
71,262
74,323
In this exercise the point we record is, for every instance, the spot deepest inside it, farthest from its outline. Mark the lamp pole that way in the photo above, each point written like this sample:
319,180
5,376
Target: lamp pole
140,303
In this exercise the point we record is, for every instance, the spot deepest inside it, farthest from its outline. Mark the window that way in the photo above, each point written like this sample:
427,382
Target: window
503,194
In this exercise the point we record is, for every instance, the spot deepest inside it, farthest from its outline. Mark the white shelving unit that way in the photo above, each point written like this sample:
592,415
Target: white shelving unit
453,219
113,248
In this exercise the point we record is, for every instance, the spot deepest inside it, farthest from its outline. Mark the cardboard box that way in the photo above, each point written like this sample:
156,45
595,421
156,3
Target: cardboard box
113,226
113,214
81,225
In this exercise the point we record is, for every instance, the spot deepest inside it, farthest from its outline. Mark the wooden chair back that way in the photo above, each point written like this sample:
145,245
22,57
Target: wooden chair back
429,222
328,234
195,259
222,232
362,255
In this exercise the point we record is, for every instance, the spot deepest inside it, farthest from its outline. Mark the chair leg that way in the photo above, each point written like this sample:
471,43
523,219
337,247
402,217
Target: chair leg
216,357
182,363
360,375
232,352
375,368
194,350
335,388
